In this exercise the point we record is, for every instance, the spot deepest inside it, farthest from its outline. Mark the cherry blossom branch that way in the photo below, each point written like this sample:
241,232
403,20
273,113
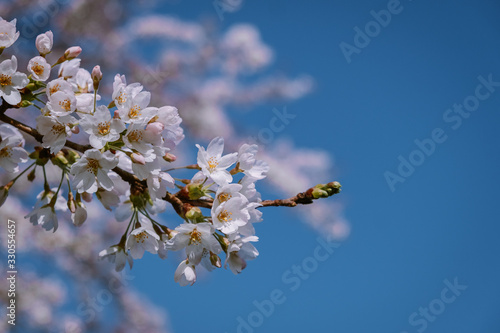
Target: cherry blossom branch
33,132
180,202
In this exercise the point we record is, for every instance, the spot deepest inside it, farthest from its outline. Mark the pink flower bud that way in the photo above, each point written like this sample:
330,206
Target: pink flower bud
138,158
75,130
87,196
72,52
96,74
169,157
155,128
44,43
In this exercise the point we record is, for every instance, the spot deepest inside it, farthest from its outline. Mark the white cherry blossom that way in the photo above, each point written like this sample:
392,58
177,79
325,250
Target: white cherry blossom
8,33
213,164
185,274
69,68
11,81
123,93
58,84
136,109
195,238
247,162
91,171
11,148
39,68
230,215
117,255
55,131
142,239
135,138
44,42
239,250
44,211
101,127
62,103
158,182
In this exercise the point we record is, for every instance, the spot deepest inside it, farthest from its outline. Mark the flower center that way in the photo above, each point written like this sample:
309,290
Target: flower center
141,237
54,88
65,104
122,98
135,135
195,237
5,80
104,128
37,68
224,197
225,216
212,163
58,129
93,165
134,111
5,152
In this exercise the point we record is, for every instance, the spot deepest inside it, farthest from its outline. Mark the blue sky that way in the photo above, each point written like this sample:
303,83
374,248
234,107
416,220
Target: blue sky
438,227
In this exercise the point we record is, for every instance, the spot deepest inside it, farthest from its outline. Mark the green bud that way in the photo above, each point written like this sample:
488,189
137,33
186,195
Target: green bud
319,193
215,260
31,175
195,191
25,103
138,200
40,155
71,155
60,160
194,214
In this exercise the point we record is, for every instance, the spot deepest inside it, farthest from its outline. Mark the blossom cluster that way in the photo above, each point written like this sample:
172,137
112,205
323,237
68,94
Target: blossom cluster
125,163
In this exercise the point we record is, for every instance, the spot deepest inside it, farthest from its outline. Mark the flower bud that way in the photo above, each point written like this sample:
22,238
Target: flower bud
194,214
319,193
80,214
25,104
138,158
215,260
86,196
44,43
333,188
41,155
71,155
71,203
96,76
4,193
31,175
72,52
75,129
155,128
195,191
169,157
60,160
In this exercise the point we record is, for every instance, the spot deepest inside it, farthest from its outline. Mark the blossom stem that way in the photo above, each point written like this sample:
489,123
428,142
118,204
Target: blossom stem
22,173
60,183
46,186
